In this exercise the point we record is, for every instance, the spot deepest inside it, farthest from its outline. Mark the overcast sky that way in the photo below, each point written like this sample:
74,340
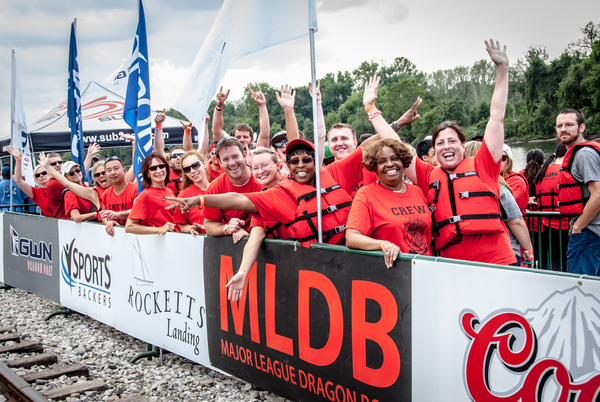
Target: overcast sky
433,34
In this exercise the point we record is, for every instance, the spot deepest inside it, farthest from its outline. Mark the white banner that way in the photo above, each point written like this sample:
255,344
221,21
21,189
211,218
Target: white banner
484,333
159,295
88,263
1,249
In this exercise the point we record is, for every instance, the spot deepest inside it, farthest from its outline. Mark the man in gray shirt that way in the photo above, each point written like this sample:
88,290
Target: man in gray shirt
583,252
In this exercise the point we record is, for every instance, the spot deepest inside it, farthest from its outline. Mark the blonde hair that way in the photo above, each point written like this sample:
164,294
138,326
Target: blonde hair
186,180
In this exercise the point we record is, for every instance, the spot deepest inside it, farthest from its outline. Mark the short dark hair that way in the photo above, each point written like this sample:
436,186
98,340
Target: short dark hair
226,143
448,124
422,148
342,125
241,127
146,181
577,113
400,149
53,155
114,158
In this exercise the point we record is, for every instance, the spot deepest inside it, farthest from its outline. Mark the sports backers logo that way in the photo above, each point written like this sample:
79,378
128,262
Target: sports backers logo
86,273
25,247
551,353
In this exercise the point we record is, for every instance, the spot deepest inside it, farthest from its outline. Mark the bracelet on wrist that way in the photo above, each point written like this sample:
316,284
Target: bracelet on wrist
159,231
382,244
245,275
219,108
226,229
395,126
201,198
372,116
187,132
370,107
158,127
19,159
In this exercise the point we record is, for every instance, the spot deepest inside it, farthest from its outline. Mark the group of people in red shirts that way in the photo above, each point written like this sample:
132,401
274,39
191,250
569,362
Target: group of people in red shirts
377,195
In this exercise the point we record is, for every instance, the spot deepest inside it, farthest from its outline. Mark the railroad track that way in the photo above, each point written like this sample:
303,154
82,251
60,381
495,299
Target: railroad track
18,354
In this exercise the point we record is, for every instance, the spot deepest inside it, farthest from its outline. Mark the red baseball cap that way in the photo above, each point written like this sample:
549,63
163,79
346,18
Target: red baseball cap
298,143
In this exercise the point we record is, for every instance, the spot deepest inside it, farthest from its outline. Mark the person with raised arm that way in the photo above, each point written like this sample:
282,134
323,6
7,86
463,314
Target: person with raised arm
78,208
241,131
463,193
35,194
149,214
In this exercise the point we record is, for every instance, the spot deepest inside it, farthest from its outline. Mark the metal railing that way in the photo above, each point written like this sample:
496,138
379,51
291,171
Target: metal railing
549,244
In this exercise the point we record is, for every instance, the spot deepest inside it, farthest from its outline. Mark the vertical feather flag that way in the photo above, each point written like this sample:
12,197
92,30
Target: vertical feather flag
20,139
74,102
137,112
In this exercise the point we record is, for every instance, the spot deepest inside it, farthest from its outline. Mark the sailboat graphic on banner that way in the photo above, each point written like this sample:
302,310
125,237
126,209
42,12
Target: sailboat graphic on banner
140,270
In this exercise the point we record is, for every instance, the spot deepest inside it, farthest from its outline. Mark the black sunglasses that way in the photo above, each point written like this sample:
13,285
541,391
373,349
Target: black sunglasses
281,144
56,163
306,160
98,174
161,166
175,156
74,172
113,158
40,174
194,166
504,158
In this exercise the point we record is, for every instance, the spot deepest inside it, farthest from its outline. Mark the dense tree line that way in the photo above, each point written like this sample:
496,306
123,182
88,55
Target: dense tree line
539,89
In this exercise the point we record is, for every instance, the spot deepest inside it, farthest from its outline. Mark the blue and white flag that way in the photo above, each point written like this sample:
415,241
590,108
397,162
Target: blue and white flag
20,139
74,103
137,111
242,27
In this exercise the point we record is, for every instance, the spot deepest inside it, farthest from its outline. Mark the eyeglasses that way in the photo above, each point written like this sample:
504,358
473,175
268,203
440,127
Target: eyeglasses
306,160
40,174
195,166
281,144
175,156
160,166
56,163
98,174
264,166
74,172
504,158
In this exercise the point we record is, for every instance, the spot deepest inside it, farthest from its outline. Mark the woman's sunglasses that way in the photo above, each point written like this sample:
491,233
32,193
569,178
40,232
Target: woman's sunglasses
98,174
194,166
161,166
40,174
306,160
74,172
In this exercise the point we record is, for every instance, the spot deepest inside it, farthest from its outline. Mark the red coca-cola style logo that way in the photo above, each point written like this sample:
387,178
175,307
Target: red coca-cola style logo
509,339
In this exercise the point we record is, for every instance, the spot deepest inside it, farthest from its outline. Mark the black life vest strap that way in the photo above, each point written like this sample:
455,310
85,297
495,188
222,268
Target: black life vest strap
309,196
327,234
325,211
469,194
459,218
271,230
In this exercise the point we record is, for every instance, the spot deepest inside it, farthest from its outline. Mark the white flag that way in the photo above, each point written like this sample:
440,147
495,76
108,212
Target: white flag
242,27
20,139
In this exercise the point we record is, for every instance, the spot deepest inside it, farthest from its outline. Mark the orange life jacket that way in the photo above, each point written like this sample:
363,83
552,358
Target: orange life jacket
570,194
546,191
462,204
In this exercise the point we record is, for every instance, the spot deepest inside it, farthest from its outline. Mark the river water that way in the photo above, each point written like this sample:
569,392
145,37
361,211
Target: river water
520,151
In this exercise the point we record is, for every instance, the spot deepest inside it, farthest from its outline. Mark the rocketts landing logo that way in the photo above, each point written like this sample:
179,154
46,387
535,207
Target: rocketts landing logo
551,353
87,274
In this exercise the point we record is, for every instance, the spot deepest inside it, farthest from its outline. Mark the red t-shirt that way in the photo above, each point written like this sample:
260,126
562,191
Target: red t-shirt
149,207
119,202
175,182
41,199
348,172
54,194
491,248
73,201
211,174
222,185
193,215
401,218
368,177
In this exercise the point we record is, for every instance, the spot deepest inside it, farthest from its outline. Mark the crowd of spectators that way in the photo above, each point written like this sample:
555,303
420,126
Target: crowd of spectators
447,197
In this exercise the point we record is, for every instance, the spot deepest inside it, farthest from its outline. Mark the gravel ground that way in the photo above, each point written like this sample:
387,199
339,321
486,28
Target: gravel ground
105,351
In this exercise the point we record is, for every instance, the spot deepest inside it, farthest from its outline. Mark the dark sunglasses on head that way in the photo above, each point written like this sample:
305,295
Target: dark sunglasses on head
40,174
194,166
161,166
504,158
74,172
306,160
56,163
281,144
113,158
98,174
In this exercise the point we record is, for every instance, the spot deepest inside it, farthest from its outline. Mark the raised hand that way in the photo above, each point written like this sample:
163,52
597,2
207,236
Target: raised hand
287,97
94,149
13,151
318,91
221,97
497,53
411,114
43,160
160,117
258,96
187,125
371,87
128,137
